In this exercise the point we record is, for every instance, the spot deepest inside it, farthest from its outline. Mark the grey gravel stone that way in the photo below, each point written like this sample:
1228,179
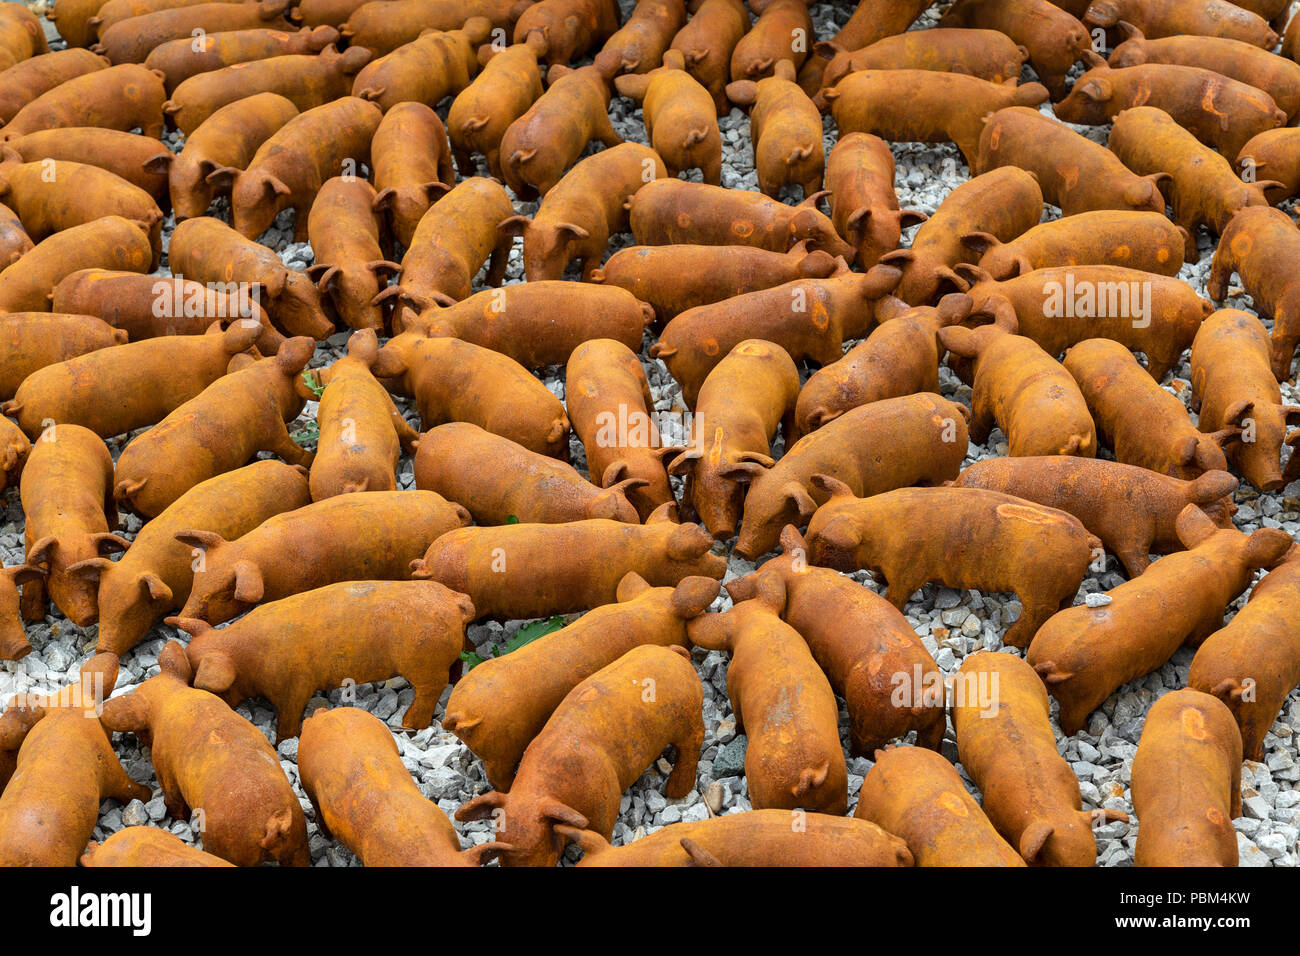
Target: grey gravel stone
135,814
731,759
694,814
155,809
1255,807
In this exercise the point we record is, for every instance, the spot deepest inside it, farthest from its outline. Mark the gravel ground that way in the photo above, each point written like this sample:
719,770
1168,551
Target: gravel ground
951,623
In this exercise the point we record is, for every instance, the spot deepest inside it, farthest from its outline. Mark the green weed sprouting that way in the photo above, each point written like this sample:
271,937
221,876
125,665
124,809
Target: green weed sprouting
310,433
525,635
310,379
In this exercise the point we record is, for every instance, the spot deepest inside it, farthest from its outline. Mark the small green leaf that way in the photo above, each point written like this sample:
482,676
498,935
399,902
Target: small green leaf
308,434
512,519
310,379
531,632
525,635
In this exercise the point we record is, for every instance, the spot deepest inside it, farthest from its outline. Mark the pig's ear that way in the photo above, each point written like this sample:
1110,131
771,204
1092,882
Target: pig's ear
770,592
1098,89
23,574
481,807
158,164
792,541
980,243
817,264
1094,60
353,59
1128,31
513,226
840,534
688,542
572,231
558,812
1237,411
742,589
42,551
681,464
1101,13
798,496
631,585
215,673
1003,312
126,714
487,852
613,503
222,178
959,341
1033,839
1212,486
591,842
1266,547
249,586
172,661
742,92
1145,191
106,542
205,540
388,364
104,666
693,595
709,631
190,625
90,569
632,85
1194,526
743,472
907,218
954,307
153,587
382,200
665,512
832,487
880,280
901,258
294,354
891,307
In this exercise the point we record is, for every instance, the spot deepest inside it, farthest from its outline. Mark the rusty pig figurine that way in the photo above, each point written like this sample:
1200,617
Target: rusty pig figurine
782,701
600,739
1132,510
365,631
862,643
209,758
1186,783
501,705
1083,654
364,796
1006,743
975,539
